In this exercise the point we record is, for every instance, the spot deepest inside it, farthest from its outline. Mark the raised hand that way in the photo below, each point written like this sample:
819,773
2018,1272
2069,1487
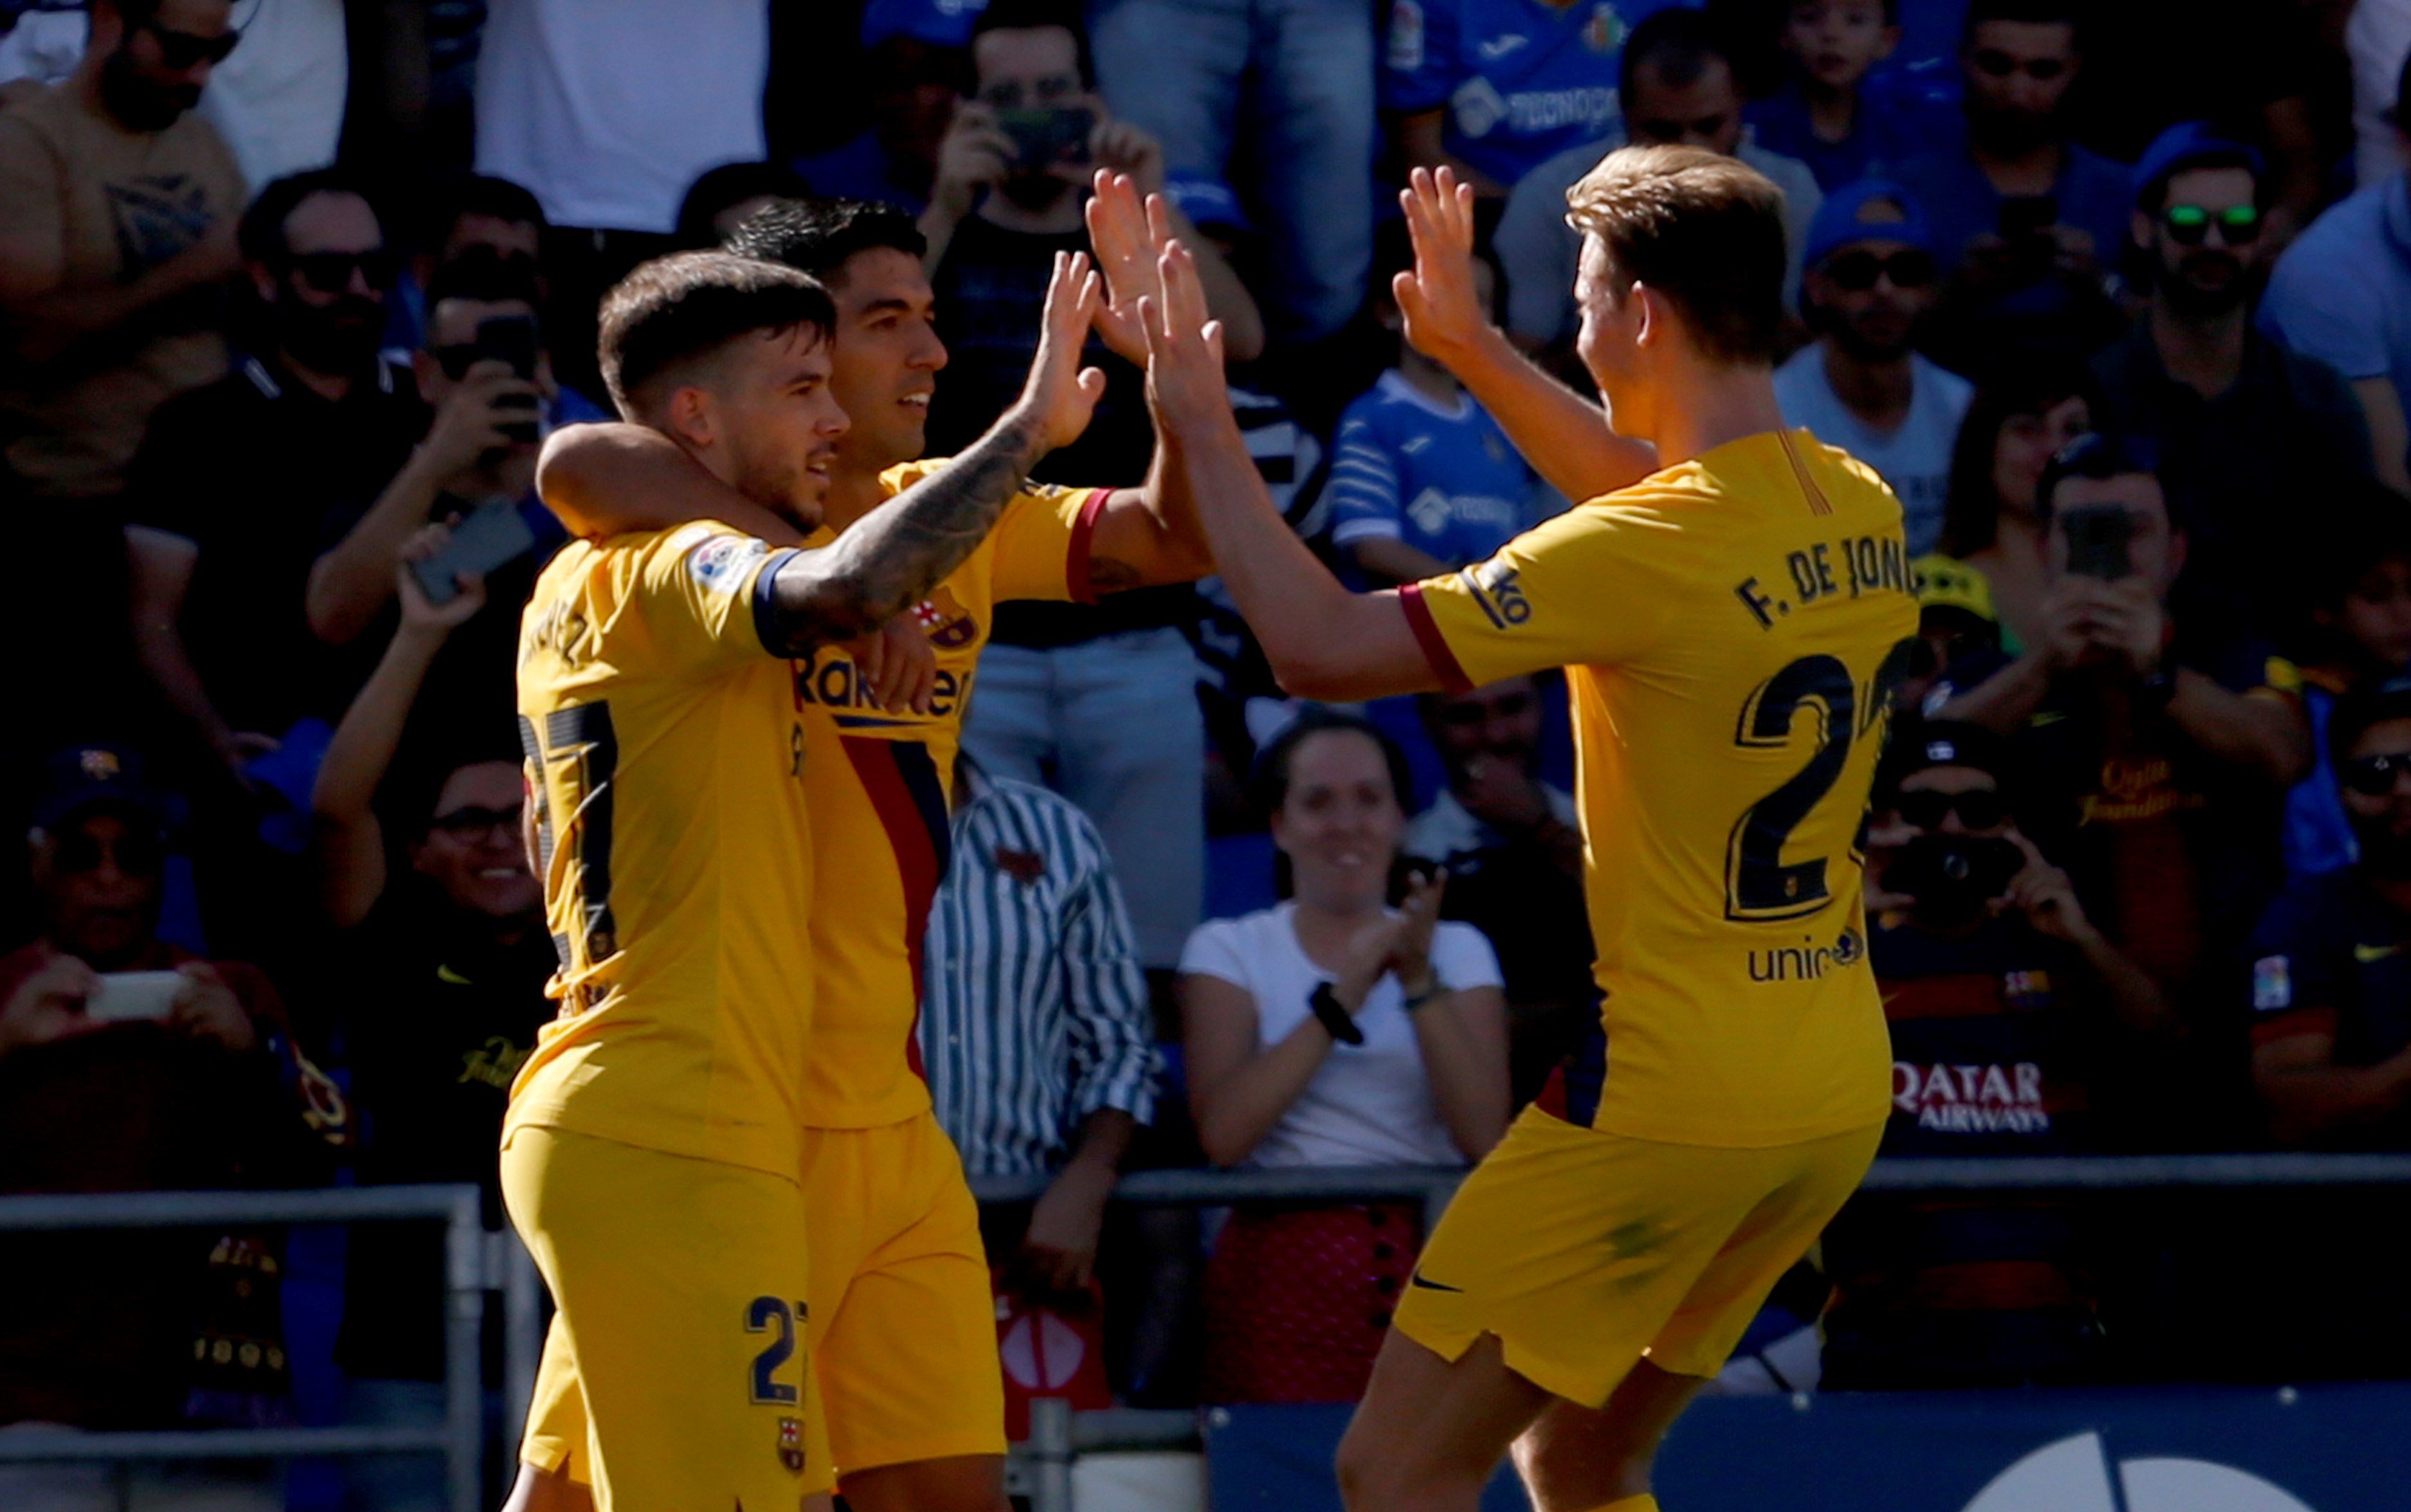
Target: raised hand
1060,395
1128,232
1441,304
1125,148
1184,387
2047,896
1418,917
975,155
418,614
1365,959
468,427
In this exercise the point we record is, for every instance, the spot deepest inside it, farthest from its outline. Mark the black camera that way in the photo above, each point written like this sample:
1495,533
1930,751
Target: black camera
1953,876
1046,136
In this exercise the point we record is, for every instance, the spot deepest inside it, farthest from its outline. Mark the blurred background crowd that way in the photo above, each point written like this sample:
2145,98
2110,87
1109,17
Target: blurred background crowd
2116,296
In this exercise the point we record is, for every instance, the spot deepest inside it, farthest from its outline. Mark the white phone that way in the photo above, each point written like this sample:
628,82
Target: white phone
135,996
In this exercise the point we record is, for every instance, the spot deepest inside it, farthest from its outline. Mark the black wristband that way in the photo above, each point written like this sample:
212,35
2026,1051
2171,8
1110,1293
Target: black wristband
1337,1021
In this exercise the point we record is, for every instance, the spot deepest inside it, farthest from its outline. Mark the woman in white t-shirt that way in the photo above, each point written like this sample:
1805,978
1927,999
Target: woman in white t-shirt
1333,1030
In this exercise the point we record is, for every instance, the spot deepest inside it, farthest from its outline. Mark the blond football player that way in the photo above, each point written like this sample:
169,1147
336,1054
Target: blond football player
1731,605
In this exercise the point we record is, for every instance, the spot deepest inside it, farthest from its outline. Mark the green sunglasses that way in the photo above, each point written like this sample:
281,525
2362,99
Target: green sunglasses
2188,223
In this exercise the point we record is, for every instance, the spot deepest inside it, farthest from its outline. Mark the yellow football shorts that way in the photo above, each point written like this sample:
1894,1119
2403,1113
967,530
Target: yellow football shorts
1584,1251
676,1375
904,1317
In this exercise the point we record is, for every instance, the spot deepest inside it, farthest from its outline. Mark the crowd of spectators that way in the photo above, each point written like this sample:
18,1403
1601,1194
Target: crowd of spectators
291,292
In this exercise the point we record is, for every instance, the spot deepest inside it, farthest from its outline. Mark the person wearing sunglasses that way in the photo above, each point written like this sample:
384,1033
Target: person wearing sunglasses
1861,384
2331,961
233,484
486,379
2007,1004
436,1030
2239,420
109,282
2357,585
485,373
115,1085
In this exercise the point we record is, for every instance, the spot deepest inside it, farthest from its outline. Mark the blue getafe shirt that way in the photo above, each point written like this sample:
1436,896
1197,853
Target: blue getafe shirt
1447,483
1886,127
1961,204
1521,80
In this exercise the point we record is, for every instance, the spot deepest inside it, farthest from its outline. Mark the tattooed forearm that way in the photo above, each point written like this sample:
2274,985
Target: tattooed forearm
899,551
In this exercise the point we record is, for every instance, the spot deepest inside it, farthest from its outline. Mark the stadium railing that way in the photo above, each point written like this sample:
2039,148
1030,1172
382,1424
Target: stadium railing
476,1261
479,1261
1041,1465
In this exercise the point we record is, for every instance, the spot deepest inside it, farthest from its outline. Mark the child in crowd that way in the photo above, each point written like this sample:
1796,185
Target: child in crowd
1423,480
1825,115
2359,589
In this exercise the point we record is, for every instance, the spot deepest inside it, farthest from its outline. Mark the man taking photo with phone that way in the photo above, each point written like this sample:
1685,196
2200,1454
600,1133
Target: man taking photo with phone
487,378
127,1064
2159,749
1013,178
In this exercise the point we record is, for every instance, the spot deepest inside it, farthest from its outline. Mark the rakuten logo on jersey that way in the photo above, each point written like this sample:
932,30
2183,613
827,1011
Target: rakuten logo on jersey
1972,1100
827,679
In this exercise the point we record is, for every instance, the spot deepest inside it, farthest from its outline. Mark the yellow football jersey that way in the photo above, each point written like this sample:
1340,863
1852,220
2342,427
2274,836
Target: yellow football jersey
666,752
880,812
1732,628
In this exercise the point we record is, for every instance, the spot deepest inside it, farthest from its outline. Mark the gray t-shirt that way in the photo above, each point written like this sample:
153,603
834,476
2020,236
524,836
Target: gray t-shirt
1539,251
1915,459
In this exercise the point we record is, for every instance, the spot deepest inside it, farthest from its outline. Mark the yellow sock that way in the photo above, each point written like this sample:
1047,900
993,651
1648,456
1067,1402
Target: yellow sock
1631,1504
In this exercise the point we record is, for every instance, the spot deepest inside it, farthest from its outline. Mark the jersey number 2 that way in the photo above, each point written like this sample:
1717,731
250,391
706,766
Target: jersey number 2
1760,886
761,1316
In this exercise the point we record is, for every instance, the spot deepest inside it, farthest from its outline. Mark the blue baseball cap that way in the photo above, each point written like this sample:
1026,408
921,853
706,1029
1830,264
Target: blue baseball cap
99,776
1871,209
1208,201
2184,145
937,22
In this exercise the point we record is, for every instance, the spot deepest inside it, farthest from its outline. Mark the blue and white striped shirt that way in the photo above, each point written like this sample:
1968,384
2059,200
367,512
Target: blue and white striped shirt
1035,1010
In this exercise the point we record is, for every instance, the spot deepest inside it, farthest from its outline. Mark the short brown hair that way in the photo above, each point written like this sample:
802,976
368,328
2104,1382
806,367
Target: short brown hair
1705,230
673,310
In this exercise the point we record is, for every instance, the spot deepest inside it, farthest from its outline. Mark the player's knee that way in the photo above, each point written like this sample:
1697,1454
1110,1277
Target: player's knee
1372,1479
1359,1472
1603,1465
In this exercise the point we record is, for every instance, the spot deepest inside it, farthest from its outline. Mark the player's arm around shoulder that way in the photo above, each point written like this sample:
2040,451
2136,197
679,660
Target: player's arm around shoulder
611,477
